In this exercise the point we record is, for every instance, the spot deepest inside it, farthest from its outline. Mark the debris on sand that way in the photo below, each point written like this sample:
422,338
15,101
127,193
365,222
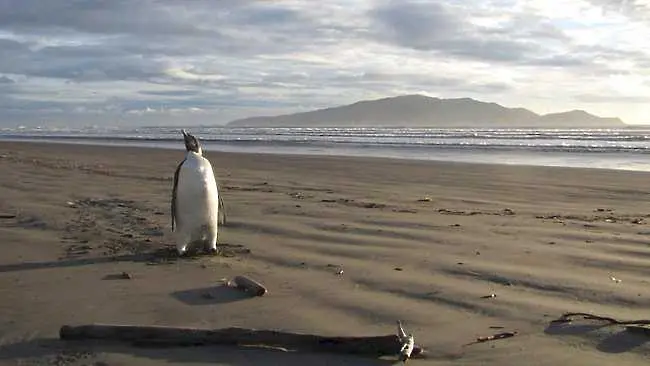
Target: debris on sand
249,285
495,337
120,276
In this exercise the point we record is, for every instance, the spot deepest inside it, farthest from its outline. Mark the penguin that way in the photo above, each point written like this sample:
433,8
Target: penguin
195,202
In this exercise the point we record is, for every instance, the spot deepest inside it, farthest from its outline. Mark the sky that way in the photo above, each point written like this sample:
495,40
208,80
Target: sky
189,62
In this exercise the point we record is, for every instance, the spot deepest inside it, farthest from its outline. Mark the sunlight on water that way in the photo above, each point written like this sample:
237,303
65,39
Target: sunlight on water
597,148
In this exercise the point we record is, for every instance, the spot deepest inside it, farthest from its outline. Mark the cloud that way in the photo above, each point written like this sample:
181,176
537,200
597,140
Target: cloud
600,98
170,93
150,61
6,80
634,9
448,30
522,39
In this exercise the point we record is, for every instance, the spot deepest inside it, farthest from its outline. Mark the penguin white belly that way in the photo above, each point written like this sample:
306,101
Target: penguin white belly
197,204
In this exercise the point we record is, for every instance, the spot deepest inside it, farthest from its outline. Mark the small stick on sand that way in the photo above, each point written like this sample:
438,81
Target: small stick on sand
496,337
7,216
249,285
375,346
567,318
493,337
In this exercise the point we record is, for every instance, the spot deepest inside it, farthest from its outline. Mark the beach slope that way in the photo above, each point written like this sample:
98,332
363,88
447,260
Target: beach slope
346,246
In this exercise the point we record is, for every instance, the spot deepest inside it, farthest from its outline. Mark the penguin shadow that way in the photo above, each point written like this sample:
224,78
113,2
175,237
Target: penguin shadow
210,295
66,263
610,342
163,255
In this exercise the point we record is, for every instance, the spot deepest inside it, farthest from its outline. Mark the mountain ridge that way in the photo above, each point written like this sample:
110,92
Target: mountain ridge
416,110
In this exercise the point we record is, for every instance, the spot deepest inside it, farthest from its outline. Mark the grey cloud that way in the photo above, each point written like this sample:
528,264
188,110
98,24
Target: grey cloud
437,27
170,27
527,26
525,40
78,63
134,39
598,98
558,61
206,102
102,41
170,93
634,9
386,82
10,45
601,56
417,25
6,80
643,62
14,105
104,17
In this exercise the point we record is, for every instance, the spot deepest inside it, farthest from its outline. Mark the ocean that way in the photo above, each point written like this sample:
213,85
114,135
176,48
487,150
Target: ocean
625,149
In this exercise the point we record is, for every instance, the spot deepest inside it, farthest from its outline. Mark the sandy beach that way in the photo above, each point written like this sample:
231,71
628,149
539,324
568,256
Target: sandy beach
423,242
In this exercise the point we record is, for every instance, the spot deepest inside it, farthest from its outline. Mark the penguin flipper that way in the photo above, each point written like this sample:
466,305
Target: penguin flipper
174,189
222,209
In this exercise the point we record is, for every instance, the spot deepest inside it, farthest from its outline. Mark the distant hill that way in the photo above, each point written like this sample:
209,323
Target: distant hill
423,111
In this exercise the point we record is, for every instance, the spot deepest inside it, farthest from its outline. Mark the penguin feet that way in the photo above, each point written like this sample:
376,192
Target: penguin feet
182,251
211,244
211,248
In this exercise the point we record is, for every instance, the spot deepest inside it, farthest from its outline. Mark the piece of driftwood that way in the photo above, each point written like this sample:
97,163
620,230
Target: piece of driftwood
568,317
495,337
249,285
7,216
377,346
639,326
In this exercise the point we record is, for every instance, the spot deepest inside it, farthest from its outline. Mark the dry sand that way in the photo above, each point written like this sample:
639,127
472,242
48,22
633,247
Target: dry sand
544,240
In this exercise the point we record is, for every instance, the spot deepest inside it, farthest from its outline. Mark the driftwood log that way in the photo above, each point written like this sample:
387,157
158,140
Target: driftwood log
377,346
639,326
249,285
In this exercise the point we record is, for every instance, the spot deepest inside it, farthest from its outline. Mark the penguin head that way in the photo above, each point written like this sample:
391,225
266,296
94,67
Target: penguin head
191,143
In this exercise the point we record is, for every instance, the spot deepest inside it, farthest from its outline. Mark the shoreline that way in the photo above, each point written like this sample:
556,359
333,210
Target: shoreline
210,150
